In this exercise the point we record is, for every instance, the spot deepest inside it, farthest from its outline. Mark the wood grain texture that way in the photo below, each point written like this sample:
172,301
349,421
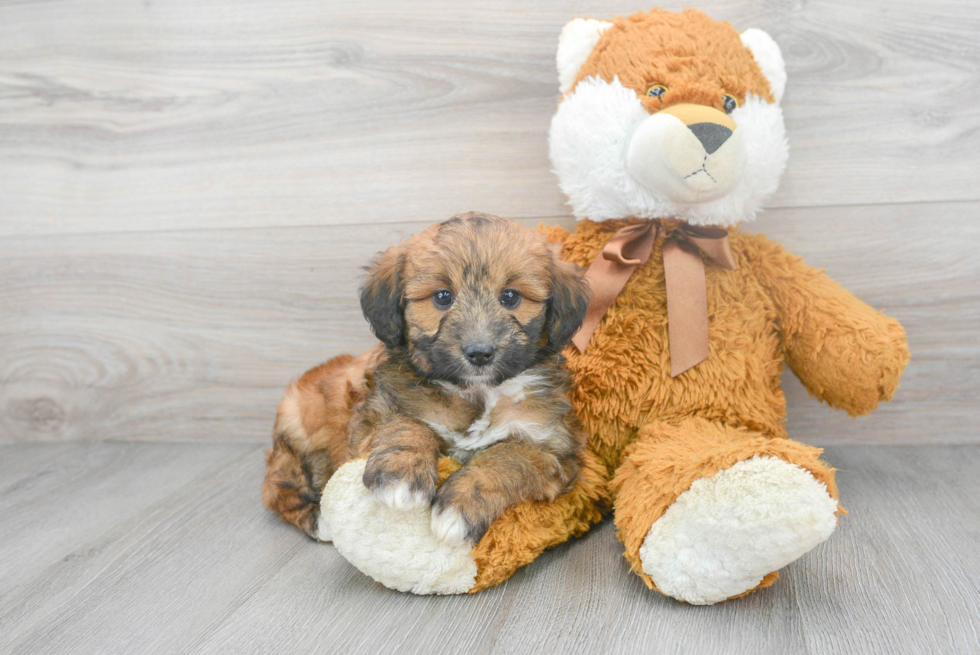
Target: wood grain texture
203,569
128,115
104,484
192,335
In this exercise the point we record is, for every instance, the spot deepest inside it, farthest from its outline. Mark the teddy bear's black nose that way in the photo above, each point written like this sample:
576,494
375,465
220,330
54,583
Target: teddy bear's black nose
711,135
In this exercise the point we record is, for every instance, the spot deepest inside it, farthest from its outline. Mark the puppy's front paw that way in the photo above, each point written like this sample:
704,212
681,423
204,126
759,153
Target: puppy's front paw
401,479
450,527
459,517
400,495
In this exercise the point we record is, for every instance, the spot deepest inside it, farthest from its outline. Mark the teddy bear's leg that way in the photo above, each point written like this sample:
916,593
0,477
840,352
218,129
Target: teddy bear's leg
528,529
708,512
398,549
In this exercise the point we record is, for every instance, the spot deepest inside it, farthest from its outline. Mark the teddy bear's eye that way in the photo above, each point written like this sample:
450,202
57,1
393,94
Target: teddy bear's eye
657,91
731,104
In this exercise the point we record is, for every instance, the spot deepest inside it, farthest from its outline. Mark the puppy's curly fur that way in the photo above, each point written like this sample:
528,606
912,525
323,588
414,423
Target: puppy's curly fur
473,314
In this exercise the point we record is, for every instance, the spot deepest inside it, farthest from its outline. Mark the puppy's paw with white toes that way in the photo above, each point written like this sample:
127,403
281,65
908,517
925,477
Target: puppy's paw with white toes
400,495
449,526
401,480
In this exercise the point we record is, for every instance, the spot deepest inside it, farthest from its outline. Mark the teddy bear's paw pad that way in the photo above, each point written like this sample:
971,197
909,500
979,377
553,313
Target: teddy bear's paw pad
725,533
323,529
396,547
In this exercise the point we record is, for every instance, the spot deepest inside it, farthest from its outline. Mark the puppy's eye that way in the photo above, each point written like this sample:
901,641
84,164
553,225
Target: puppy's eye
731,104
443,298
657,91
510,298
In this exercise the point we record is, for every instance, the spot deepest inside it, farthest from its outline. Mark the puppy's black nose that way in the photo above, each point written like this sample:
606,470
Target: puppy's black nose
480,354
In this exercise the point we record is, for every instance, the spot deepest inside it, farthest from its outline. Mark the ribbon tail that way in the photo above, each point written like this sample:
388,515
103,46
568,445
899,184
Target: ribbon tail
687,307
606,278
623,253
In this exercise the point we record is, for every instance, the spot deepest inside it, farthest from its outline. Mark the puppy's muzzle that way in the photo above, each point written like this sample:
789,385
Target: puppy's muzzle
479,354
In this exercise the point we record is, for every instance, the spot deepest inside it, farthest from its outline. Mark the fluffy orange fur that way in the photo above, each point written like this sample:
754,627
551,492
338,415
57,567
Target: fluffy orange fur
656,434
305,451
527,530
699,60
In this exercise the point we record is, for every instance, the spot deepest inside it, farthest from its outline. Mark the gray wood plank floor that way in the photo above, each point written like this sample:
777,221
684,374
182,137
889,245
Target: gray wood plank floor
164,548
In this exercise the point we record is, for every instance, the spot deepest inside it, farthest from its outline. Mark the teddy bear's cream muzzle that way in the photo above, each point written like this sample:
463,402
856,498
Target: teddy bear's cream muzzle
690,153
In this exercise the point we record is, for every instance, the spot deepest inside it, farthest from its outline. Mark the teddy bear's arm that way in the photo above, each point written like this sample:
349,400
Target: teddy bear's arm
843,351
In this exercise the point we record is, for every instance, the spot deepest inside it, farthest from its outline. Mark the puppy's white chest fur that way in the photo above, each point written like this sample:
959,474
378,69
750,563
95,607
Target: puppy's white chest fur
492,426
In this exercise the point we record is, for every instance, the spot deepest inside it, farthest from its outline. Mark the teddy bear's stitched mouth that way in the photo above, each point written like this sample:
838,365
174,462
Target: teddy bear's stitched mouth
703,169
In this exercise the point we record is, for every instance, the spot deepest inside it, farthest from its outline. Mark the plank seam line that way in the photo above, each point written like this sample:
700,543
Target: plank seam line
300,226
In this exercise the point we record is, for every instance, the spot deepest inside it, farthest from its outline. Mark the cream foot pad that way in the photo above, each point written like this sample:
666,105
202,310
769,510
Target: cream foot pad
725,533
395,547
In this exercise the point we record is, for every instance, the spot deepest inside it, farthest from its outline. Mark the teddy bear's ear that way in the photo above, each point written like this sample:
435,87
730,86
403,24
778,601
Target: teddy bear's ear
767,54
575,45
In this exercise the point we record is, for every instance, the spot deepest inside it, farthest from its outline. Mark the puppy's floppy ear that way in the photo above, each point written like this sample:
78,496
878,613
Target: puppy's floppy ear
570,296
381,297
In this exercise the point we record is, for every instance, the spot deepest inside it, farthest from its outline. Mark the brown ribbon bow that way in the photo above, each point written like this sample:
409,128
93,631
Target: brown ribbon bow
687,299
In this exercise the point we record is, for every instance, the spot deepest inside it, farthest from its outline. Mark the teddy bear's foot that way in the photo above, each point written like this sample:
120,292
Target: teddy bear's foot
396,547
722,536
323,529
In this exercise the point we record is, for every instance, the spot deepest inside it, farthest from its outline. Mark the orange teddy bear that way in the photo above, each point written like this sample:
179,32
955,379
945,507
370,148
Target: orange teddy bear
668,135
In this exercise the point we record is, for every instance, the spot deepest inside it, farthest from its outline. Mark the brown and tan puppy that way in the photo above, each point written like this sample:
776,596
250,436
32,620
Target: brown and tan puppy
473,314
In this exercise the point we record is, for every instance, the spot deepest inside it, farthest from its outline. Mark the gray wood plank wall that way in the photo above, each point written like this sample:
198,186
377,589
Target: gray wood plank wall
188,190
